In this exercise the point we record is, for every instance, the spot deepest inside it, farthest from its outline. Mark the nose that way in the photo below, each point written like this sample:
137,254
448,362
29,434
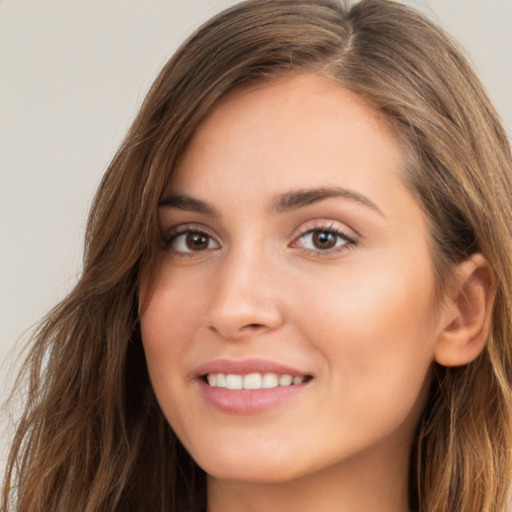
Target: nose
246,299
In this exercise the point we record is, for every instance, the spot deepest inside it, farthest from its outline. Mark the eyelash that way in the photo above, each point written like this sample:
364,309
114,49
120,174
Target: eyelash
170,237
348,241
173,234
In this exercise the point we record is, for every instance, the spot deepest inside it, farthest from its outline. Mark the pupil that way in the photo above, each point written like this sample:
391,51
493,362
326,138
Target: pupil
197,241
324,239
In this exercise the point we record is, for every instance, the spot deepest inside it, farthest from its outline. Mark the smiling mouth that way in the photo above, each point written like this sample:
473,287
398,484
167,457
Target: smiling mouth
254,380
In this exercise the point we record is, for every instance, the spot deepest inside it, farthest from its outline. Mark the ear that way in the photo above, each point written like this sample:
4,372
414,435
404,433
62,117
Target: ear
467,314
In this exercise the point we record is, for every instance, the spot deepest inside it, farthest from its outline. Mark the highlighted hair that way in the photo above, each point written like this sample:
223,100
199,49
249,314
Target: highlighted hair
92,436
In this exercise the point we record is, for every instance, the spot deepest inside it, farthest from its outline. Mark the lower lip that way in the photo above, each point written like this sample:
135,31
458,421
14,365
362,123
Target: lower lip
249,401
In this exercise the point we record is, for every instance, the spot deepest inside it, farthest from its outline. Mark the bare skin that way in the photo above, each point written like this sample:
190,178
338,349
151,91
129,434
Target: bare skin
292,239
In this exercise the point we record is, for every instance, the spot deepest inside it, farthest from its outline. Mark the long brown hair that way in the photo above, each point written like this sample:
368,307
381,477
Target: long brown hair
92,436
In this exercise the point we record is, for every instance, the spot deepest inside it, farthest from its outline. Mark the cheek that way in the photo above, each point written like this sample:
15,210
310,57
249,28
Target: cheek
377,301
171,307
169,317
375,329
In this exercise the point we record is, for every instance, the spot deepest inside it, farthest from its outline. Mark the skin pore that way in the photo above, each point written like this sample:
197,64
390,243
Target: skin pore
289,238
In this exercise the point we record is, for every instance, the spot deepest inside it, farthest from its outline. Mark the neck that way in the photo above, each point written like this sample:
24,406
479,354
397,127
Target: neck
352,486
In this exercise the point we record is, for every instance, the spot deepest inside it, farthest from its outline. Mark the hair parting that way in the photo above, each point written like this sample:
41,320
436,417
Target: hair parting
92,436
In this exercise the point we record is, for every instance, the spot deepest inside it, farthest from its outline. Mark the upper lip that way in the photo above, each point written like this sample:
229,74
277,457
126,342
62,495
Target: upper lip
246,366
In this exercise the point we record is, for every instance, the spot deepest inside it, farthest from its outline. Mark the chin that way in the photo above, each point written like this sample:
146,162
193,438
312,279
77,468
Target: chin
249,468
262,474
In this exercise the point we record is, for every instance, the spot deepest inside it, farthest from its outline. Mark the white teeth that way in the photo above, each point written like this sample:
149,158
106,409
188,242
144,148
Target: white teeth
270,380
234,382
285,380
252,380
221,380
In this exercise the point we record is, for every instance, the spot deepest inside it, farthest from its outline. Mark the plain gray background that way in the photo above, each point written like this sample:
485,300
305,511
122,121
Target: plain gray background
72,75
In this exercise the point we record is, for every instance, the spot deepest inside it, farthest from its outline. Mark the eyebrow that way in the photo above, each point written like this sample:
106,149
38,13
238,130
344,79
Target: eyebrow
188,204
300,198
282,203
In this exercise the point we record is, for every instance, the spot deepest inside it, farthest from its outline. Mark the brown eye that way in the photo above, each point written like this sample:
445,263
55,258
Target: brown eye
324,239
197,241
191,241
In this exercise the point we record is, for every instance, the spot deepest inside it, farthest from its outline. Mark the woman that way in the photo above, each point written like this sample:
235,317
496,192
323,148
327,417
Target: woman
297,283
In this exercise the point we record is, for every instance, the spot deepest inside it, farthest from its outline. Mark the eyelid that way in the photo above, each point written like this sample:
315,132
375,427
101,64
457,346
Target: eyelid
326,224
169,235
331,226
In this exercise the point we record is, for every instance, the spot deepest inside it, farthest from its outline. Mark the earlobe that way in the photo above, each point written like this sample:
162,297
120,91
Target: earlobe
467,314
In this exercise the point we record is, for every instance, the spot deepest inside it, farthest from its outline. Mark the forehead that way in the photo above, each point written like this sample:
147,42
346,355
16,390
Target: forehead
281,124
291,133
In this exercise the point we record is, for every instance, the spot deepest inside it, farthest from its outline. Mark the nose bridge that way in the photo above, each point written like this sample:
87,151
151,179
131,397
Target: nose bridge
245,297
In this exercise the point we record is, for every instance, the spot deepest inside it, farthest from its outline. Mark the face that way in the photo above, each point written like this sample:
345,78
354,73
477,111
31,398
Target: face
289,325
